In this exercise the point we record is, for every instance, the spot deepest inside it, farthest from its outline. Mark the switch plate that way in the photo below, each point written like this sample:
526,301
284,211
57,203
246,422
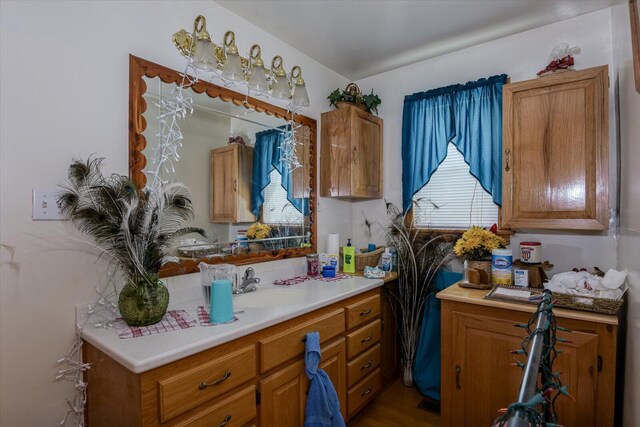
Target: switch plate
45,206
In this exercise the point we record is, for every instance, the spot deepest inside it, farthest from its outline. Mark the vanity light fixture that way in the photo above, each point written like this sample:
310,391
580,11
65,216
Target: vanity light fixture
230,66
300,96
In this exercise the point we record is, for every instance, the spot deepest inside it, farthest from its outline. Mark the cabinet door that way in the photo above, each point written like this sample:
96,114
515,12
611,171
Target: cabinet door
555,160
334,363
284,393
224,185
366,147
482,379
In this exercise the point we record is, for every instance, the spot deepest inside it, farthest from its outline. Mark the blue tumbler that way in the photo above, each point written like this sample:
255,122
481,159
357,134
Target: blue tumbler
221,307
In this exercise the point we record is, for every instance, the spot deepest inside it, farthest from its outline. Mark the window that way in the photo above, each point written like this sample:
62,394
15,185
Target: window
453,198
276,208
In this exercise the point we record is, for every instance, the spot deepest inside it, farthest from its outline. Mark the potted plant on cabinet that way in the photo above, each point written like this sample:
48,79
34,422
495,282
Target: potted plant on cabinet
352,95
476,245
132,228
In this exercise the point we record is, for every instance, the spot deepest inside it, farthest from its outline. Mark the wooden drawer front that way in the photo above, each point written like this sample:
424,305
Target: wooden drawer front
363,311
364,364
363,338
179,393
281,347
362,393
234,411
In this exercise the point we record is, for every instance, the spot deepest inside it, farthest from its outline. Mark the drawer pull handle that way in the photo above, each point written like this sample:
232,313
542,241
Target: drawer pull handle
366,392
366,366
225,421
226,375
364,313
458,369
364,340
507,152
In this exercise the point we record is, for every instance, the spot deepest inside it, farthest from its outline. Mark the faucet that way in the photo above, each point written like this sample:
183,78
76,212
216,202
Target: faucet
249,282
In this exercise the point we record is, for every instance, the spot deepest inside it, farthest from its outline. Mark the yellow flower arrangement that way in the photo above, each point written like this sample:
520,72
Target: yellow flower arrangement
258,231
477,243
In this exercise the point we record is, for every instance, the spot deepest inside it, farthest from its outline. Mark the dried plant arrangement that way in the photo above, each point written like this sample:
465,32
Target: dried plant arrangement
420,256
132,228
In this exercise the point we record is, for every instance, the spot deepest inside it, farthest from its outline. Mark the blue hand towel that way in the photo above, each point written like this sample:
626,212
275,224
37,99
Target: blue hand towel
323,406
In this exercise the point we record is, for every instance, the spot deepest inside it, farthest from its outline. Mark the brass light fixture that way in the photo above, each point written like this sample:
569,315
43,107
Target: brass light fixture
230,66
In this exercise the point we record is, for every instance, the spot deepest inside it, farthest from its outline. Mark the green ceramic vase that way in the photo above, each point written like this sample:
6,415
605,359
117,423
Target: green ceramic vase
144,303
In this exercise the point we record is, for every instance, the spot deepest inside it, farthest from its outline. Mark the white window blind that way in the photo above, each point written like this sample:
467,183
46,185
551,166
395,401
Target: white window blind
453,198
276,208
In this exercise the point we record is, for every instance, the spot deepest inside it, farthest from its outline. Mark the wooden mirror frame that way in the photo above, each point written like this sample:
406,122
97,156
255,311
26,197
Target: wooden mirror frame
139,68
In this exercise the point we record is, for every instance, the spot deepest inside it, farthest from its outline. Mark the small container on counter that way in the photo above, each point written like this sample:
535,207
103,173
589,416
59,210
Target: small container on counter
501,262
531,252
312,264
521,277
329,271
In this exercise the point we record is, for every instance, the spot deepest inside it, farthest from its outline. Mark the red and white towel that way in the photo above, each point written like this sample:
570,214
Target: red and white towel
174,320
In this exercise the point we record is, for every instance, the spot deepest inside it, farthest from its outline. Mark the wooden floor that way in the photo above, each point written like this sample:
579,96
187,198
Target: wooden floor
397,406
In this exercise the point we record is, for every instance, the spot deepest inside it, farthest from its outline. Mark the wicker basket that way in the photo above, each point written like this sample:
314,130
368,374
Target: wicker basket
587,303
365,259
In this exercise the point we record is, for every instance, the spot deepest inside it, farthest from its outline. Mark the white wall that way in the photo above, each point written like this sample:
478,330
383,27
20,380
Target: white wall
520,56
629,229
64,82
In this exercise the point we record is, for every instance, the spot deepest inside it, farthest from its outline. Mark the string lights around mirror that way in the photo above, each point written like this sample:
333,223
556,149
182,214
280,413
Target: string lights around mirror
225,62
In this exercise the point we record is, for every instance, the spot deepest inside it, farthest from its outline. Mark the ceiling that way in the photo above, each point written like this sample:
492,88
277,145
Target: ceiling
361,38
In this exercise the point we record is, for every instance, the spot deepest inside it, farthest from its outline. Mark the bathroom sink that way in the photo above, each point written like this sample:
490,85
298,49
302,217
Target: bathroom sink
270,298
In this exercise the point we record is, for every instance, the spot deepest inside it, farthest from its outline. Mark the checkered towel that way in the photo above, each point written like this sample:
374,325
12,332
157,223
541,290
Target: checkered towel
203,317
174,320
300,279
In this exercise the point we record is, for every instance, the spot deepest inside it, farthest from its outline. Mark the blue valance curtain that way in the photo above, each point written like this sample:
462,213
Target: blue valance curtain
266,158
469,116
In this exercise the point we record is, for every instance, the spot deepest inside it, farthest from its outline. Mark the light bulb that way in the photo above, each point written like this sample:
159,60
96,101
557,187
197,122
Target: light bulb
300,96
204,57
232,68
280,88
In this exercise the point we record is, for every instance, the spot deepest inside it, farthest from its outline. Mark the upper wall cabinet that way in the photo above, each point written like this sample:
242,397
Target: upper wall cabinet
556,147
231,184
351,156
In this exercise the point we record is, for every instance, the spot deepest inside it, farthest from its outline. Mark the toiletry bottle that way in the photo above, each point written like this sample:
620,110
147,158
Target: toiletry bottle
349,258
387,260
465,277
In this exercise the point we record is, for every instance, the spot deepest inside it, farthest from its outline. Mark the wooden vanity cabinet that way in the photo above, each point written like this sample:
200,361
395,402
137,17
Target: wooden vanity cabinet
478,375
555,159
351,154
231,172
258,379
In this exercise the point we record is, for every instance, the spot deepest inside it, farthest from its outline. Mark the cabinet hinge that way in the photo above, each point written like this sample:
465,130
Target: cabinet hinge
257,397
599,363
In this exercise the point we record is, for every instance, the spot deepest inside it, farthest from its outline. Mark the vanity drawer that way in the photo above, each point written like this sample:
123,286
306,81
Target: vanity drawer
362,393
279,348
234,411
362,365
363,338
188,389
363,311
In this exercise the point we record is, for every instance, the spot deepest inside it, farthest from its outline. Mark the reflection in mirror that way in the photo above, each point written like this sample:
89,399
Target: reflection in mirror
243,196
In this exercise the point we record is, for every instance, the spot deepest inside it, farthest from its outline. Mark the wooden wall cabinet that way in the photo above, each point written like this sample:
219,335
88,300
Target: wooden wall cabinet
478,377
351,154
556,145
231,172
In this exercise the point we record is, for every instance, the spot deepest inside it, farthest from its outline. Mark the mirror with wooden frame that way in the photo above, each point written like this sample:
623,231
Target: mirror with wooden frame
230,161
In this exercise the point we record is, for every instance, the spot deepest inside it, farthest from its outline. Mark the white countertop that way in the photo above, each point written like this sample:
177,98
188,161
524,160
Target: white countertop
145,353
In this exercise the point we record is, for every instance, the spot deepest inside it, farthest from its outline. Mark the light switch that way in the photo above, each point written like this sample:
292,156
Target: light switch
45,205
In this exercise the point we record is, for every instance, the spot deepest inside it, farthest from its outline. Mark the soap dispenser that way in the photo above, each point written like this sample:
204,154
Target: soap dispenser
349,258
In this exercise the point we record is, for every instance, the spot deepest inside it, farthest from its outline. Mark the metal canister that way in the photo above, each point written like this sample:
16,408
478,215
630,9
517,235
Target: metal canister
312,264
